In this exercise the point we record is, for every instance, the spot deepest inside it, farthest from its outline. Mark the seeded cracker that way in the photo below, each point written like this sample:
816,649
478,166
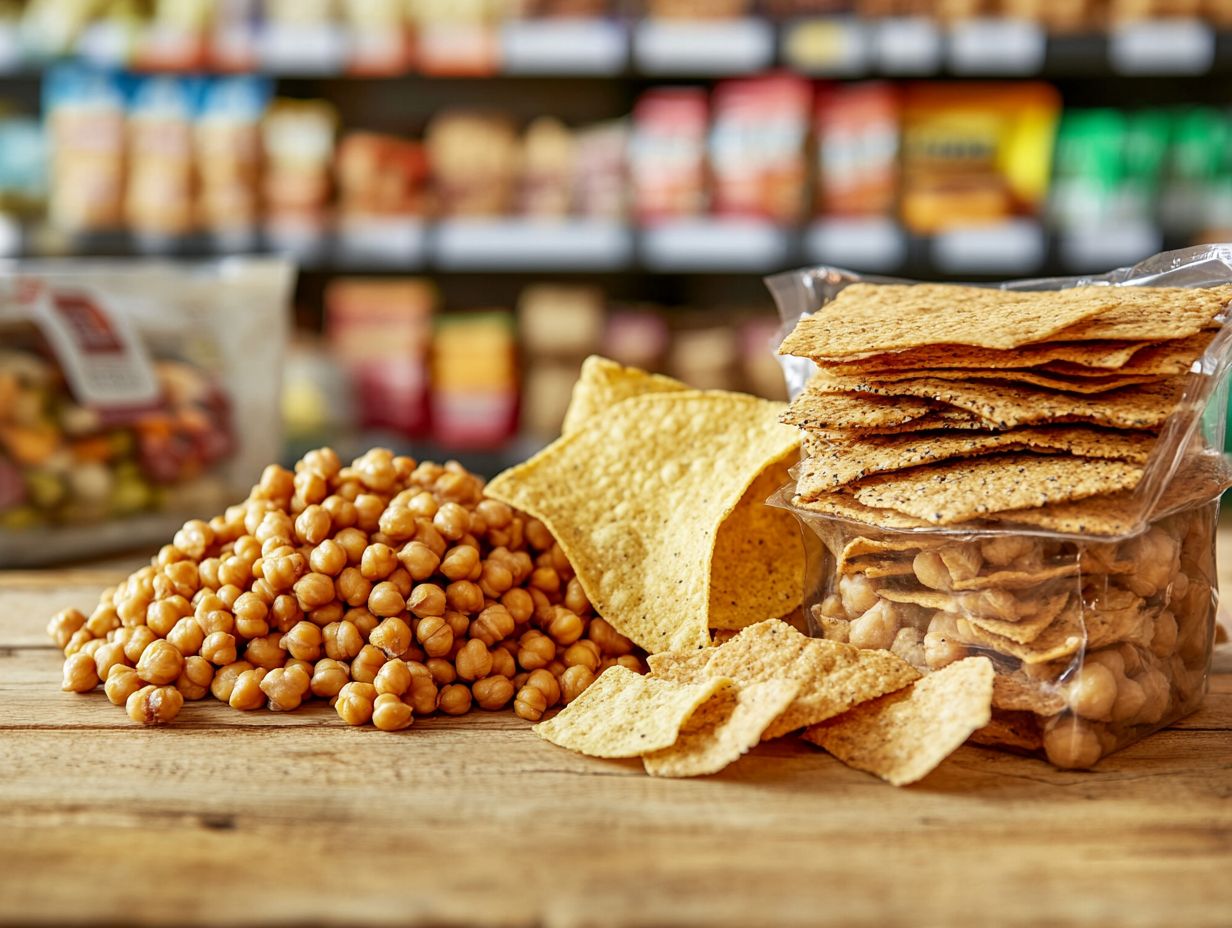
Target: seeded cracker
958,491
1050,380
829,466
636,498
875,318
1152,313
1097,357
1004,405
904,736
723,729
855,410
833,677
626,714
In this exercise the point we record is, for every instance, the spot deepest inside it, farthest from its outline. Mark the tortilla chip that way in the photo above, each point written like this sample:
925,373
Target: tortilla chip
1096,356
723,729
875,318
1026,628
904,736
1063,637
833,677
636,498
604,383
959,491
757,569
625,714
680,666
1018,579
1021,694
835,465
1004,405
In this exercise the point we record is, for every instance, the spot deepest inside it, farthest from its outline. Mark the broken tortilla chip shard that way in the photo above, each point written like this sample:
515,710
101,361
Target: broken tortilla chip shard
723,729
636,499
959,491
904,736
603,383
626,714
833,676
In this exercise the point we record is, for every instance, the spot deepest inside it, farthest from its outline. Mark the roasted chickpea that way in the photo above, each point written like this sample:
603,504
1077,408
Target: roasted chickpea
608,639
160,663
397,523
463,596
105,618
393,636
495,579
139,639
530,704
342,640
354,542
442,670
328,557
473,661
250,616
310,487
494,513
1072,743
303,641
426,599
285,612
366,664
108,656
575,598
355,703
435,636
452,521
363,620
536,650
323,461
493,624
266,653
80,673
520,605
329,677
246,691
341,511
195,679
154,705
393,677
219,648
459,561
368,509
186,636
426,533
454,699
385,600
547,684
63,624
121,683
574,681
1093,692
312,525
314,590
504,664
566,627
161,616
584,654
285,687
390,713
492,692
352,587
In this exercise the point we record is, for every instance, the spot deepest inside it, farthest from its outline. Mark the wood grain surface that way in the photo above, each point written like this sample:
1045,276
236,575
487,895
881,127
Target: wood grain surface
231,818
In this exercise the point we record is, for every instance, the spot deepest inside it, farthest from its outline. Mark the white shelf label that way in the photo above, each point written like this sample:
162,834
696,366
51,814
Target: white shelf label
1106,247
517,244
715,244
829,45
394,242
734,46
997,46
304,49
1162,46
564,46
1016,246
908,45
873,243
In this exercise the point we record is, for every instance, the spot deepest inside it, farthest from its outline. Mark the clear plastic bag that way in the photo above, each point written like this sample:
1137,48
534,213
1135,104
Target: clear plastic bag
1097,640
133,395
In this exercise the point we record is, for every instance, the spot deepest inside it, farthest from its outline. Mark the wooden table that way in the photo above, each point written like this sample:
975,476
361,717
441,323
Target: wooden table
236,818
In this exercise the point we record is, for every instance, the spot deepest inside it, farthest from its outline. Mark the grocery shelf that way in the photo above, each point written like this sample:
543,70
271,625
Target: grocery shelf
1019,247
837,46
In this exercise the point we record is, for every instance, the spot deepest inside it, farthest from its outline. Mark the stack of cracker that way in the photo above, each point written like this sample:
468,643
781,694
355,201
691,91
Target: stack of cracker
935,405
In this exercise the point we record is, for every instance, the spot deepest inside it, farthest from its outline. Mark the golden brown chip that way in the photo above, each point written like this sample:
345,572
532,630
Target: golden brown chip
833,465
1017,579
1012,730
1100,357
604,383
680,666
1004,405
842,506
757,569
1052,380
1021,694
904,736
636,499
1152,314
875,318
723,729
625,714
1024,628
852,410
1164,359
832,676
959,491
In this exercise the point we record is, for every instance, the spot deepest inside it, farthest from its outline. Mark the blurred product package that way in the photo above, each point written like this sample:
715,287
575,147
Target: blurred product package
298,138
474,158
86,128
133,396
380,330
667,154
857,128
158,189
558,326
229,158
474,380
757,147
975,154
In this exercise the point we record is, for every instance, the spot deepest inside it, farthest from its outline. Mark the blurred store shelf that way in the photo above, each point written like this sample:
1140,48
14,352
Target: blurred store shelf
514,244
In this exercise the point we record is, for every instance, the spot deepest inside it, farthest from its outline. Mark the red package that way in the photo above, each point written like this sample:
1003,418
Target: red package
667,157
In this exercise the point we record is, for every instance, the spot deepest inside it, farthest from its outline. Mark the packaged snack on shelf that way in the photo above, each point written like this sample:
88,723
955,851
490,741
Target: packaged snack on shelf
298,136
757,147
857,131
85,127
474,380
667,153
600,183
380,37
228,156
380,176
548,164
975,154
381,332
473,158
132,396
158,193
1028,472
